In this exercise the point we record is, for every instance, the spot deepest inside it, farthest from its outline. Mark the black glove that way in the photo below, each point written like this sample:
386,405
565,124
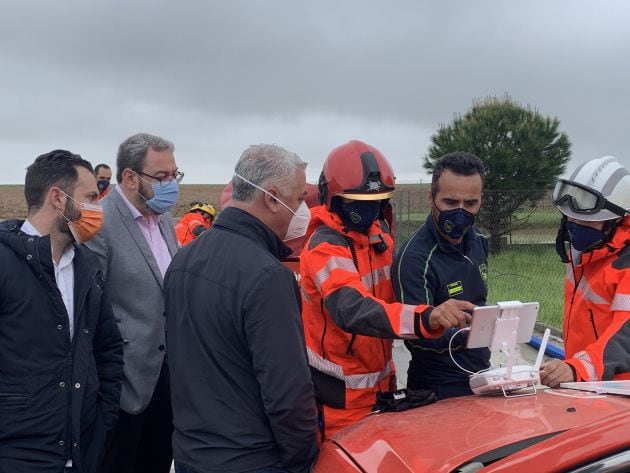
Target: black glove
403,399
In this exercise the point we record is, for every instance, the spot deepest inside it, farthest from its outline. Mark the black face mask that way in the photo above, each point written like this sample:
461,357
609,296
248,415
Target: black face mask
359,215
582,238
455,223
102,184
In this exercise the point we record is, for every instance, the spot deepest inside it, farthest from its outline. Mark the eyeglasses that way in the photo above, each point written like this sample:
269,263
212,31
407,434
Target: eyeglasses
165,180
582,199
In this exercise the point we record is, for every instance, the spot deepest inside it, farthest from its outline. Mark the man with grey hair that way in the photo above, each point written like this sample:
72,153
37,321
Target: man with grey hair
241,389
135,246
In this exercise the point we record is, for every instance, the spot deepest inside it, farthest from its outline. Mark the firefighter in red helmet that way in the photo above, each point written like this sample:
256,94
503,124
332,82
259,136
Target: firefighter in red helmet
349,311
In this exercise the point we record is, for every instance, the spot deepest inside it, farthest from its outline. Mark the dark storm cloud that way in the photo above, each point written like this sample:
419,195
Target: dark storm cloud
215,76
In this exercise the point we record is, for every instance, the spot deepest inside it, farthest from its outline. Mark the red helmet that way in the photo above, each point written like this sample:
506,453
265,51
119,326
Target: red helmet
355,171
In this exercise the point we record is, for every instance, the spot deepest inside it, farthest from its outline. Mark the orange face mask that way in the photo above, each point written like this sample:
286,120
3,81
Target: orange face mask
88,224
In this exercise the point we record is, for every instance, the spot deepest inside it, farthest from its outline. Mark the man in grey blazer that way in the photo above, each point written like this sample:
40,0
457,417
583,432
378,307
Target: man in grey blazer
135,246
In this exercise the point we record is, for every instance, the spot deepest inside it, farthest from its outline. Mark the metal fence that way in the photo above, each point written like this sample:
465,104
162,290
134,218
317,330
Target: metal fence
521,227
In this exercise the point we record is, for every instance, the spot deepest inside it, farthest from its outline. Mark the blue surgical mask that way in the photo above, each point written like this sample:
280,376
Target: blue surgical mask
164,197
584,238
359,215
455,223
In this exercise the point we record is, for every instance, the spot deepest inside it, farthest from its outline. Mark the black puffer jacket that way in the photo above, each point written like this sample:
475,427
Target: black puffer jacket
58,396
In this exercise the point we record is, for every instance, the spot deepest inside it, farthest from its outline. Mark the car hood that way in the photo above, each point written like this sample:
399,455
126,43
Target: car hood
443,436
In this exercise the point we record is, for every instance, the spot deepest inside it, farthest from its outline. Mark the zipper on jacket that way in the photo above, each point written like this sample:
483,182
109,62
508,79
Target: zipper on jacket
13,397
321,307
374,294
593,323
576,282
349,350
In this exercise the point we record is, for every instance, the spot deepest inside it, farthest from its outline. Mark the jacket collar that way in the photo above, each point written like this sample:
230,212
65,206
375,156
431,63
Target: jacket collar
241,222
620,239
36,251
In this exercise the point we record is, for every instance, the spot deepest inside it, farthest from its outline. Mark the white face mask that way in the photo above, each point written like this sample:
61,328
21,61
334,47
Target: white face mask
301,217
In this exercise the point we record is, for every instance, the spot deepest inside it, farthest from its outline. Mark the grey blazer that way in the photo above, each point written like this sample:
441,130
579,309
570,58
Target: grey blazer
134,283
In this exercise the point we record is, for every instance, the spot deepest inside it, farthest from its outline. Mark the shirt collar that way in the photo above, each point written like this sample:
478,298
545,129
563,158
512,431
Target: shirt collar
28,228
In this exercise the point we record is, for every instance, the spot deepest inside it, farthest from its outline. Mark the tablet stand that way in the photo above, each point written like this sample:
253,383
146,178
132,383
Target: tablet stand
511,377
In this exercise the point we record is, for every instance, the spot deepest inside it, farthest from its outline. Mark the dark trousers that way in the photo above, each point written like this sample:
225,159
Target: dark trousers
142,443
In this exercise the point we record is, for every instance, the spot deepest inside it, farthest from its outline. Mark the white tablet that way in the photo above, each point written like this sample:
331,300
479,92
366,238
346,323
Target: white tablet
484,318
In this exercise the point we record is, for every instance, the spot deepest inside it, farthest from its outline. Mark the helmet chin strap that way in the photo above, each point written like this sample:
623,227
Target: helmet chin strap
609,229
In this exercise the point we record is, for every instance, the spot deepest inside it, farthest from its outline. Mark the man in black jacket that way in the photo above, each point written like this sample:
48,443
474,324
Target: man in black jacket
240,384
447,258
60,349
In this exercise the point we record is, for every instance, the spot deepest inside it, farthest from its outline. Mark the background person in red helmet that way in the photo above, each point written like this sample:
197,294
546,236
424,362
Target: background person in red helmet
349,311
194,222
594,203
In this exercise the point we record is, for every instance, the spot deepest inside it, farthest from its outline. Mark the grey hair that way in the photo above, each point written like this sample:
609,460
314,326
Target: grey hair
133,151
265,165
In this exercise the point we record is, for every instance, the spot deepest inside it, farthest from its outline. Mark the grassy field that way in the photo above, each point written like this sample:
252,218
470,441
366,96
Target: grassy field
529,273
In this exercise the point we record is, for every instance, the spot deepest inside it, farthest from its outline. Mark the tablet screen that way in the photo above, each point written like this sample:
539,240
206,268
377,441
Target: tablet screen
483,322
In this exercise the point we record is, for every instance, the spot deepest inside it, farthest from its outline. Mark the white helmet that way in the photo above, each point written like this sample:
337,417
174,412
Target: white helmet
597,190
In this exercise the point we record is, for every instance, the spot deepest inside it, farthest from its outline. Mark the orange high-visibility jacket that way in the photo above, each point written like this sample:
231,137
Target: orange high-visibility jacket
350,315
186,226
597,310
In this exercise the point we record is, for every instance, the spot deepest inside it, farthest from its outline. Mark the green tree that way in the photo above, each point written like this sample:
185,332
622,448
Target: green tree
522,150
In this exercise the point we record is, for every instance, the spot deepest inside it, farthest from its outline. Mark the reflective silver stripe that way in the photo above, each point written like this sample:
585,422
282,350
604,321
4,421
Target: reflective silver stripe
588,365
407,319
376,277
367,380
588,293
334,262
620,302
323,365
613,180
570,274
352,381
374,239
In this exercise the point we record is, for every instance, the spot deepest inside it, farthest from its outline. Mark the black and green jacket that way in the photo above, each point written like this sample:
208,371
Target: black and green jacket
429,270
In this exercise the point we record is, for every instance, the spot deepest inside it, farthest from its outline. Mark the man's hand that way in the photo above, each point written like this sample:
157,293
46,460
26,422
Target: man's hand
554,372
450,314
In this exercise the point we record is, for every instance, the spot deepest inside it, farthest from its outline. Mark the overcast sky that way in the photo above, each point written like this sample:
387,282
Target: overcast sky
217,76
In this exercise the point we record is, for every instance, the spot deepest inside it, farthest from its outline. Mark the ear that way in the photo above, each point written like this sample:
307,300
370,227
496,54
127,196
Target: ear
130,179
56,198
271,201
